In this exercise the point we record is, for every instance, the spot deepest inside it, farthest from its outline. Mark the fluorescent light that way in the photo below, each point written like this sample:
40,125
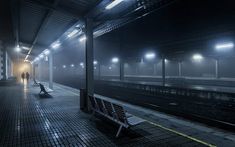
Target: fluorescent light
224,46
113,4
166,61
150,55
72,65
82,38
56,45
115,60
197,57
95,62
81,64
41,56
17,49
26,57
74,32
46,52
64,66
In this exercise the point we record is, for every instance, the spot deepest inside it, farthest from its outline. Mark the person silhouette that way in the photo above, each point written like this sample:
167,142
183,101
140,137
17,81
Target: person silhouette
27,76
23,76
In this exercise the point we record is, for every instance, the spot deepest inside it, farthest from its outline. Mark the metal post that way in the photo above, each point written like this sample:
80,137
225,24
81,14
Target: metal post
163,71
155,69
216,68
121,70
99,71
89,62
180,69
51,71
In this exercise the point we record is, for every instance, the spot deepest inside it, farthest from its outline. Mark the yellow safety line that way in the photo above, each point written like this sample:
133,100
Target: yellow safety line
181,134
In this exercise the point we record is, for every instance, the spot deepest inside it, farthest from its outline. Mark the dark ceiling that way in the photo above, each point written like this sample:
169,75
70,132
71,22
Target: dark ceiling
36,24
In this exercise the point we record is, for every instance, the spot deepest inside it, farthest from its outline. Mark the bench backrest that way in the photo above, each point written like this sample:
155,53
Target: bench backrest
119,111
42,87
93,103
109,108
35,81
100,105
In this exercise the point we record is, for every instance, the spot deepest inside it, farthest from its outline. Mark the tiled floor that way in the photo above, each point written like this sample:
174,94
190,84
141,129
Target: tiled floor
27,119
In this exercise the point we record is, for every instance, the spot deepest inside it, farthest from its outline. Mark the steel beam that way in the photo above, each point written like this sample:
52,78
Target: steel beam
42,26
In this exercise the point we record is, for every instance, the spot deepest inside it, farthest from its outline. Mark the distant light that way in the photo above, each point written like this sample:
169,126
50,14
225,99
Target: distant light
197,57
72,65
113,4
41,56
36,59
224,46
110,67
94,67
95,62
81,64
166,61
56,45
17,49
46,52
150,55
82,38
74,32
115,60
64,66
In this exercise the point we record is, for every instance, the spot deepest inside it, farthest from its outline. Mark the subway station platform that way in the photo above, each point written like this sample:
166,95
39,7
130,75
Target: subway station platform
30,119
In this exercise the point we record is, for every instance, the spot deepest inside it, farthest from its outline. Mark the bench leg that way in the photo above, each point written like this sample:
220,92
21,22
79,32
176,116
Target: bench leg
119,130
92,115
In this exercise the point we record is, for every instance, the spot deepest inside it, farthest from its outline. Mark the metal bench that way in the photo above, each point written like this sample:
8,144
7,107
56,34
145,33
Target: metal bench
43,89
113,112
35,82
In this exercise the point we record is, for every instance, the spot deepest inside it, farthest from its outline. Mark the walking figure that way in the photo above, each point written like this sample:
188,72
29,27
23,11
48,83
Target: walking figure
23,76
27,76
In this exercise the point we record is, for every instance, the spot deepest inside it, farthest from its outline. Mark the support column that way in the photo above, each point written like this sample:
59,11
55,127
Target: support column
180,68
51,71
89,62
121,70
99,73
216,68
4,64
163,71
155,69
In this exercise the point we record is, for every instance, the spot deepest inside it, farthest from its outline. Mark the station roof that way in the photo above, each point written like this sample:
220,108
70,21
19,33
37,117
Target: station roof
35,25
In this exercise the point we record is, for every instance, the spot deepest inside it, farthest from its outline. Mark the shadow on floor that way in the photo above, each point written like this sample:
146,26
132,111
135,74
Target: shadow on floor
43,96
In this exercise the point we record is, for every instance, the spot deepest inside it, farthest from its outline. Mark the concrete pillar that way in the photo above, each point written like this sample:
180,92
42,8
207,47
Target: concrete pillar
121,70
89,57
51,71
163,71
180,68
216,68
